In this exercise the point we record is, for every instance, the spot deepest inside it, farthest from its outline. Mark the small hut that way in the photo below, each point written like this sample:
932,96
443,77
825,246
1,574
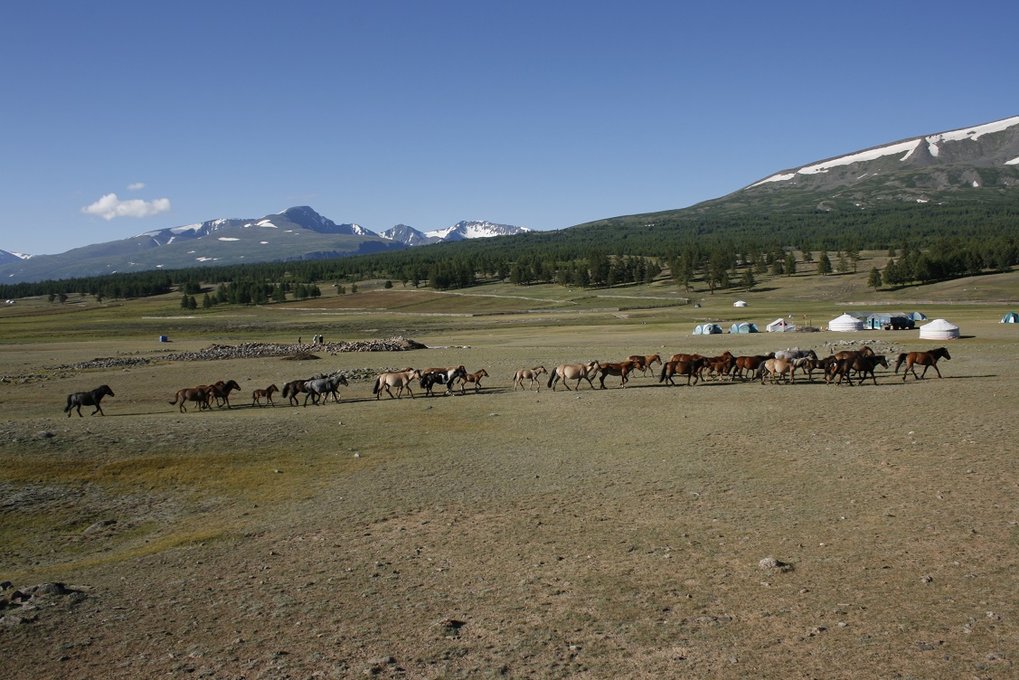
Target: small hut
845,323
939,329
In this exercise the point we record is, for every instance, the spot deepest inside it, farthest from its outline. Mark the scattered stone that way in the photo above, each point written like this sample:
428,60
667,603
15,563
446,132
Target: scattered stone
451,627
772,563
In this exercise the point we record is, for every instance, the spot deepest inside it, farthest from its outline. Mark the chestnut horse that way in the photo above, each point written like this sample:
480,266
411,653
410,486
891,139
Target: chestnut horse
221,390
91,398
864,365
750,363
928,359
691,368
576,372
199,395
622,369
473,378
643,362
530,374
266,394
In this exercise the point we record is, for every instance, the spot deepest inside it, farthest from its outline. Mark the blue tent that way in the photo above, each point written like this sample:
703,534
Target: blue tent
1010,317
917,316
707,329
743,327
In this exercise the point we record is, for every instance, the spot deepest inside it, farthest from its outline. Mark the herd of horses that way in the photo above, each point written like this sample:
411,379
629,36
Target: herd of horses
776,367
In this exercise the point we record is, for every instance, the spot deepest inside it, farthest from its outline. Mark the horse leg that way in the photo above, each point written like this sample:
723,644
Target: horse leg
936,369
98,410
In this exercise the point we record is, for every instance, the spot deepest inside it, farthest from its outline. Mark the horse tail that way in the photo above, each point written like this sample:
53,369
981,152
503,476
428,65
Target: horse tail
661,376
552,377
175,398
898,362
70,398
377,386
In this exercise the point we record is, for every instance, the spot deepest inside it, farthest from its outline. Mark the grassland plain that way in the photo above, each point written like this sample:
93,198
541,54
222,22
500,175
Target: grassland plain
598,533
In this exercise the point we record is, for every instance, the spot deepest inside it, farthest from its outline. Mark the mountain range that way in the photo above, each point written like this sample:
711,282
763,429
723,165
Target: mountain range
296,233
973,165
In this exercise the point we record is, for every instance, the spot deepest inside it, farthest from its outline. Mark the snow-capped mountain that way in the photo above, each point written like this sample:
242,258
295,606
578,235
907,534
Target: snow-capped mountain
6,257
460,231
295,233
916,169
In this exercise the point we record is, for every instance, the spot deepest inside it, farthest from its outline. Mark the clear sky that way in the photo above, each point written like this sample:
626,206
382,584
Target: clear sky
121,117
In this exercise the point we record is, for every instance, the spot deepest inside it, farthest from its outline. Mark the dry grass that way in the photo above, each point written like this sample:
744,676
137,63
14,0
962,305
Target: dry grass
613,533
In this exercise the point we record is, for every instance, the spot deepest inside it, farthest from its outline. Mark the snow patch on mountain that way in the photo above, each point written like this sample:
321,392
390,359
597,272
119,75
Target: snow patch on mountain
906,149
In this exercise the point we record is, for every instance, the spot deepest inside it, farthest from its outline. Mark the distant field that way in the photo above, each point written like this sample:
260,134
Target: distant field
597,533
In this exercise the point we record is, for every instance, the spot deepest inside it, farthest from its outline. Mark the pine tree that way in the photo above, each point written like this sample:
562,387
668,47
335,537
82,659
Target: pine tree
824,264
874,278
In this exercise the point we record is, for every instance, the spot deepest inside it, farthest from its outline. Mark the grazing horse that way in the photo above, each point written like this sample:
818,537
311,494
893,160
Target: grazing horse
92,398
777,368
853,353
323,387
530,374
808,366
401,380
928,359
221,392
643,362
266,394
473,378
691,368
293,388
622,369
199,395
576,372
750,365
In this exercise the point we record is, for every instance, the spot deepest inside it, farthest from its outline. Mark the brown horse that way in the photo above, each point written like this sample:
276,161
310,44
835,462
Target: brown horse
292,389
691,368
530,374
266,394
576,372
622,369
473,378
863,365
750,365
401,380
642,362
928,359
199,395
720,366
864,351
220,391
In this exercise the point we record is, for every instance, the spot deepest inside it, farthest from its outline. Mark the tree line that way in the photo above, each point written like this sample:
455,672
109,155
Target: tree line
721,251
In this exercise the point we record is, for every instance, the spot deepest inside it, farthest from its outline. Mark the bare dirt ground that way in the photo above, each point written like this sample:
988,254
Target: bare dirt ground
615,533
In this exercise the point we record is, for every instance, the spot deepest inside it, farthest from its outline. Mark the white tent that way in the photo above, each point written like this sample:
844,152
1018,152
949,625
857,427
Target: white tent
779,326
844,323
939,329
740,303
1010,317
707,329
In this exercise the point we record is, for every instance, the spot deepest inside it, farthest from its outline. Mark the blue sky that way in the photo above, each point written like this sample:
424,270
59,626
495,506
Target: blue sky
538,114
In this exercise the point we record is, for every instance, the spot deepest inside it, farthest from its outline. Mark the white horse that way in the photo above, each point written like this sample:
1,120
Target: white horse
401,380
576,372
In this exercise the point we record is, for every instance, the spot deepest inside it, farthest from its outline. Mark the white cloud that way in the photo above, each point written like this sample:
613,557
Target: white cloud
109,206
136,186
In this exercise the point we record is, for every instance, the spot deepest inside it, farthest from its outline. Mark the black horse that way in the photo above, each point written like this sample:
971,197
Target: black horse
79,399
